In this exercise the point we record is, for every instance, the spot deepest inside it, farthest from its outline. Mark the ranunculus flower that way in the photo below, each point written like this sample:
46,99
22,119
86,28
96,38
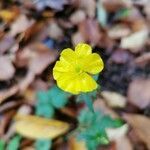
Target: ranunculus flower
73,72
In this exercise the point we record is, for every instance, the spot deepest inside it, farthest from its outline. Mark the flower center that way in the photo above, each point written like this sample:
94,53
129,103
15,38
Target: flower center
78,69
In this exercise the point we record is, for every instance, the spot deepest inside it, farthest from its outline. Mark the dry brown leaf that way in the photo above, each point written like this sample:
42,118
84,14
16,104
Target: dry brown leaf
114,5
123,143
139,92
119,31
143,59
77,17
20,25
36,127
7,93
6,43
114,99
77,38
9,15
90,31
141,126
32,31
89,6
120,57
6,68
24,83
147,11
74,144
28,148
40,62
116,133
135,41
54,31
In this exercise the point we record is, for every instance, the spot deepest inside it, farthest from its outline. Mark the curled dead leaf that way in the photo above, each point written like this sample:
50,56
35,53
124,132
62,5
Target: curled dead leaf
54,31
75,144
119,31
90,31
36,127
6,67
138,93
143,59
21,24
9,15
114,99
141,126
135,41
89,6
123,143
7,93
114,134
78,17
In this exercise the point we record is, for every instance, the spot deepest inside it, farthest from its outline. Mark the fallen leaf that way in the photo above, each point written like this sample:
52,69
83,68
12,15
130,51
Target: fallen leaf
41,61
26,81
123,143
28,148
36,127
120,57
8,15
119,31
7,93
54,31
89,6
147,10
77,38
21,24
114,5
6,67
100,105
135,41
114,99
55,4
141,126
90,30
24,110
143,59
75,144
77,17
138,93
114,134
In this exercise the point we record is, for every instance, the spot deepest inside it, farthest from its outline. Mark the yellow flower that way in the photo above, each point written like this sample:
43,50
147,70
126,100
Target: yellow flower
73,72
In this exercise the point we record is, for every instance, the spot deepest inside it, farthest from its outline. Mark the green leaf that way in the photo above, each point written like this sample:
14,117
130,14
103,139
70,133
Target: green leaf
45,110
92,128
101,14
88,100
42,97
14,143
43,144
2,144
58,97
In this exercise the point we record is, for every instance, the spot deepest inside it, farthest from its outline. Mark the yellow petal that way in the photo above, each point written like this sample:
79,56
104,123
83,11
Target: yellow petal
36,127
93,64
68,55
76,83
62,67
67,82
87,83
83,49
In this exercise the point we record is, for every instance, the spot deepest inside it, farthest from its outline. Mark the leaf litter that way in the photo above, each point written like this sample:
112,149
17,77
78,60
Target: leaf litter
32,34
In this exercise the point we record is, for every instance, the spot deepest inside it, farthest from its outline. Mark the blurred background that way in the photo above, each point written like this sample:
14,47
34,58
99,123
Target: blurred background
32,35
